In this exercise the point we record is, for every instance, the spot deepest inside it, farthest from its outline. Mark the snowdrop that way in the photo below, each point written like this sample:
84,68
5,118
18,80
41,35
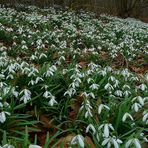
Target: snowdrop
34,146
106,127
118,93
42,55
26,95
112,141
47,94
94,87
108,87
134,142
126,93
125,116
136,107
38,79
52,101
101,107
78,139
142,87
90,126
145,117
3,116
139,99
87,107
89,80
70,92
7,146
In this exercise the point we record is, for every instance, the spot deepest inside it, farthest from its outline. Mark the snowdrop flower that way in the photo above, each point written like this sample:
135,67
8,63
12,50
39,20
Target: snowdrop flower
102,106
136,107
50,71
24,47
10,76
142,87
90,126
112,78
94,87
106,129
15,93
125,116
103,73
52,101
116,83
38,79
70,92
126,86
86,105
7,146
134,79
47,94
45,87
134,142
89,80
126,93
42,55
139,99
34,57
26,95
145,117
79,139
118,93
112,141
3,116
109,87
74,85
32,82
34,146
92,95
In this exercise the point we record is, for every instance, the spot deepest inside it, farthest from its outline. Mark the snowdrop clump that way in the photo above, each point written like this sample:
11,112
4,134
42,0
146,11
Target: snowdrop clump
76,70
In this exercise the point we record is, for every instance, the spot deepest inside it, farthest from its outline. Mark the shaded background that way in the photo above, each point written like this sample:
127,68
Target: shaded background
121,8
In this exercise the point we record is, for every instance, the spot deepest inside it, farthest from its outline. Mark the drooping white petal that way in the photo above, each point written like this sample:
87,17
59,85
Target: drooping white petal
137,143
106,130
128,143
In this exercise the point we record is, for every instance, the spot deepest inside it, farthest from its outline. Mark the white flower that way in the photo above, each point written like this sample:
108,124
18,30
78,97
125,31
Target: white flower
106,129
47,94
134,141
52,101
109,87
7,146
126,93
112,141
90,126
38,79
142,87
89,80
42,55
145,117
118,93
92,95
139,99
34,146
126,115
26,95
79,139
94,87
3,116
136,107
70,92
102,106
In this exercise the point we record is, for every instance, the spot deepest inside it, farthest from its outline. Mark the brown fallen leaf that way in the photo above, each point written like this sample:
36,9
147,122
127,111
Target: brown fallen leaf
89,142
65,141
